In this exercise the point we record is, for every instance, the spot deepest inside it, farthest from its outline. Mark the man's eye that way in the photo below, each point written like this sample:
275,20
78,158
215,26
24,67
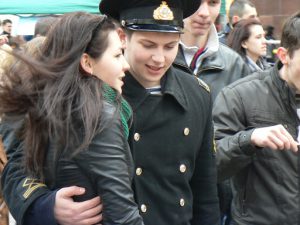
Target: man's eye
148,46
170,46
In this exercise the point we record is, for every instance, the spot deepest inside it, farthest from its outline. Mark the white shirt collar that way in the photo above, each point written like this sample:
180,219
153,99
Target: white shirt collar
211,47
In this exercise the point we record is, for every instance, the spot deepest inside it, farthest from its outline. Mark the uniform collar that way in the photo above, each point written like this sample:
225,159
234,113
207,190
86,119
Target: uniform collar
136,94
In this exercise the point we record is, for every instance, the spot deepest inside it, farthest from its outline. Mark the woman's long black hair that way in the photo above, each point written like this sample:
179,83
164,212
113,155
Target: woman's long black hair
55,95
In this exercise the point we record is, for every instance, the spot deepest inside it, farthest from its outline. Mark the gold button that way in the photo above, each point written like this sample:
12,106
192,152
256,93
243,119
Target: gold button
182,168
181,202
186,131
138,171
143,208
137,136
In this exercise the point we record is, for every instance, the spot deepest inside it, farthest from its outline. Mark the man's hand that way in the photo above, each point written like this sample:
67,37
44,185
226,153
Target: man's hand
274,137
68,212
3,39
3,158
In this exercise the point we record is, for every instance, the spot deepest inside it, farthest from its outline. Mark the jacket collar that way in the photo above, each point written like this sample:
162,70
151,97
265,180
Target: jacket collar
286,92
211,59
136,94
214,61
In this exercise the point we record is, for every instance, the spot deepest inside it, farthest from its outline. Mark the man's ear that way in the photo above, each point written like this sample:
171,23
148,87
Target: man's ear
85,62
283,55
235,19
122,36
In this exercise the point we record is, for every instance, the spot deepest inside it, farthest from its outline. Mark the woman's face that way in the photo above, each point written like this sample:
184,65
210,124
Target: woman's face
255,45
111,66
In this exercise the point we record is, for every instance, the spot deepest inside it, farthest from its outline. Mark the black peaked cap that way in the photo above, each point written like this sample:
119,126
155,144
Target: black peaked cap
139,14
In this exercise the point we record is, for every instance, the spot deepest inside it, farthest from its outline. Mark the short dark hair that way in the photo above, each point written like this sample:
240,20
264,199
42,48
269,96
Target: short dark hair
240,33
43,25
237,7
290,36
6,21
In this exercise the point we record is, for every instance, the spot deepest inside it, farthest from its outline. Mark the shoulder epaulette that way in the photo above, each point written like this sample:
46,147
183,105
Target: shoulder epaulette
203,84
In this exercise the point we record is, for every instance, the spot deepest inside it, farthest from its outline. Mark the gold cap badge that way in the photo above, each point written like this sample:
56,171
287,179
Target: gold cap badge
163,12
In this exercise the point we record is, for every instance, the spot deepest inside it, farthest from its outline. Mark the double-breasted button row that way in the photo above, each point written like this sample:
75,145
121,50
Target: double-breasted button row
137,136
143,207
139,170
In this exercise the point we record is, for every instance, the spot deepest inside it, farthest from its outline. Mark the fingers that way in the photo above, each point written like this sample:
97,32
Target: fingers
291,143
68,212
274,137
279,137
3,39
1,166
70,191
91,212
89,204
94,220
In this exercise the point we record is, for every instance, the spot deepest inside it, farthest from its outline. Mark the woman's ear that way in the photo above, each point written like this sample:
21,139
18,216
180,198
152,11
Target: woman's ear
86,64
283,55
244,45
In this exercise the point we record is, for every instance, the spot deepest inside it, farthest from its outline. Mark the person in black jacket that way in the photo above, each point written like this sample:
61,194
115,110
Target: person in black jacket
7,28
257,134
74,122
171,136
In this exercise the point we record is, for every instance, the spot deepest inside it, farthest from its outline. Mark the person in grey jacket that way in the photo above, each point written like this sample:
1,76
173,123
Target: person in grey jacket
257,135
200,52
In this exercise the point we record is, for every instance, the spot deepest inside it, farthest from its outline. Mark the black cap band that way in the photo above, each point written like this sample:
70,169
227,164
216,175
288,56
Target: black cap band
142,18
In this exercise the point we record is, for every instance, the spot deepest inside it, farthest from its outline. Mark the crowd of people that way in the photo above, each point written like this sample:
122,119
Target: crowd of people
145,114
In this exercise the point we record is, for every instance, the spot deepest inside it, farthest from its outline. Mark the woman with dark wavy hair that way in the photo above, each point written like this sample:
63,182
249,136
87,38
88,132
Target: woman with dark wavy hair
74,120
248,39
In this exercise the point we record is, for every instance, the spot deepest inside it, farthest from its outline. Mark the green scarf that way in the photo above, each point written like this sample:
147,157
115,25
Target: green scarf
110,96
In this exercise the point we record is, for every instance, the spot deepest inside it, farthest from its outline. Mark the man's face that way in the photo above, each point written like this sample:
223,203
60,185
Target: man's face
292,71
7,27
249,12
200,22
150,55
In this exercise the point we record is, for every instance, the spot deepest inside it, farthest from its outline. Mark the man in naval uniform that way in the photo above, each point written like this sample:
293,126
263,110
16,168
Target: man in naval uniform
171,136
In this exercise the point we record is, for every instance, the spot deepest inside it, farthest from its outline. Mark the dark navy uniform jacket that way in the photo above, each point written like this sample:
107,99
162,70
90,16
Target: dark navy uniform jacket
171,140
